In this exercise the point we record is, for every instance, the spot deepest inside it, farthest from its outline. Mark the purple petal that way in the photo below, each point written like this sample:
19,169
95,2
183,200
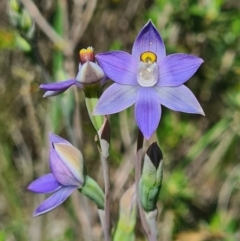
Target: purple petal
176,69
119,66
51,93
61,172
115,99
44,184
53,138
149,40
179,98
53,201
63,85
147,111
72,158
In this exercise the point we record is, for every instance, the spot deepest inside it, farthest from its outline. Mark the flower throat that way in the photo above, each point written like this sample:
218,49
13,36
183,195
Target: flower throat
147,69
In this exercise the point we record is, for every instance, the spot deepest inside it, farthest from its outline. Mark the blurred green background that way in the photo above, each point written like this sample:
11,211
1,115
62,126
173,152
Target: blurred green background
200,197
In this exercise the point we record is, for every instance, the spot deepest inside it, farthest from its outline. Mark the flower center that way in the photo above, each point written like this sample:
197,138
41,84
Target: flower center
147,69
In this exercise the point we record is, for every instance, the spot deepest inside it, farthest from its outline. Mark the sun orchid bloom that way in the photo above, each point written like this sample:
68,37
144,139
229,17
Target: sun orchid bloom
67,174
89,72
148,78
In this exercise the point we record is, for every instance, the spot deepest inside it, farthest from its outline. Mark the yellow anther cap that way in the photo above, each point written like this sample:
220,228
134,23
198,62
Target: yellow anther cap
148,57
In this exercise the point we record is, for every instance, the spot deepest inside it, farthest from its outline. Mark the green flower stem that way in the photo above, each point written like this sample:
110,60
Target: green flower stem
92,94
138,165
92,190
101,125
104,134
151,218
127,216
126,236
107,196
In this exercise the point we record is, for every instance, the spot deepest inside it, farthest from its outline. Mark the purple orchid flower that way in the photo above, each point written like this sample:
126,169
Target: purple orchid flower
148,78
89,72
67,174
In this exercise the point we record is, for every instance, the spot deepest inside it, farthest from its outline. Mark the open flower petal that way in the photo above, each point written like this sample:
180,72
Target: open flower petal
179,98
45,184
115,99
53,201
61,172
176,69
119,66
147,111
62,85
149,40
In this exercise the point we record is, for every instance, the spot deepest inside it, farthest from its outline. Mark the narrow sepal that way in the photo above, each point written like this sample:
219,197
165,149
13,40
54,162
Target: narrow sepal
176,69
115,99
179,98
51,93
53,201
147,40
45,184
147,111
58,86
119,66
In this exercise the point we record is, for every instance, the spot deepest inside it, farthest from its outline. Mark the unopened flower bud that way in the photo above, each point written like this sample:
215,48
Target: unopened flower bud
26,20
27,24
151,179
72,160
14,5
14,12
22,43
155,154
89,73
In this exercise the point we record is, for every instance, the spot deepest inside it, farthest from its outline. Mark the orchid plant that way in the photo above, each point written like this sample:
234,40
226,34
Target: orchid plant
147,78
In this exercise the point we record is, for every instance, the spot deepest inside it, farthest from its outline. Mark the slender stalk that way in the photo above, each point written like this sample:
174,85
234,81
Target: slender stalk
107,200
138,167
102,127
